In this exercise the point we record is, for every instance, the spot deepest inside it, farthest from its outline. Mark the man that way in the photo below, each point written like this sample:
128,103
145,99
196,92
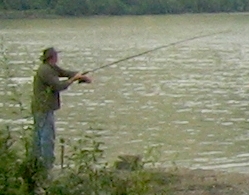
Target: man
46,99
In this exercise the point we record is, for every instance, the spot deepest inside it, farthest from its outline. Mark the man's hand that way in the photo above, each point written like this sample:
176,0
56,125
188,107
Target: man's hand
84,79
79,77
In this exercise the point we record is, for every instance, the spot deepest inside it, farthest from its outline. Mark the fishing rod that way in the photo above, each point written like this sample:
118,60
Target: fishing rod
151,50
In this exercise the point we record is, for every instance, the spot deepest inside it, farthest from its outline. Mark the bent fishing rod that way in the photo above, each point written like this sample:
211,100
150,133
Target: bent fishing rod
151,50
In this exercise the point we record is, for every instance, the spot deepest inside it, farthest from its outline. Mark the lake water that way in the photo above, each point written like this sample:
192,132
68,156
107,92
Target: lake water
188,101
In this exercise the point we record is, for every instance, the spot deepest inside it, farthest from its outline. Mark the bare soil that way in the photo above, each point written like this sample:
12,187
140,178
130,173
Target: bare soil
201,182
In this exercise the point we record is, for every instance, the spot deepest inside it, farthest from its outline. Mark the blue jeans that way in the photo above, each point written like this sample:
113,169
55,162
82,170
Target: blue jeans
44,137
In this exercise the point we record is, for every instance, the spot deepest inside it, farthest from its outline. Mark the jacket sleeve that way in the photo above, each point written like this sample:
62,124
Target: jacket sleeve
52,80
65,73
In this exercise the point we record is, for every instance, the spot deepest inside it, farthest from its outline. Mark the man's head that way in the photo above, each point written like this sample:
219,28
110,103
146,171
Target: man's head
50,55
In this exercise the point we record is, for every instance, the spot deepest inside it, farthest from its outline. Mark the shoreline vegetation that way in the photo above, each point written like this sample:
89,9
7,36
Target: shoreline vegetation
50,14
28,14
81,8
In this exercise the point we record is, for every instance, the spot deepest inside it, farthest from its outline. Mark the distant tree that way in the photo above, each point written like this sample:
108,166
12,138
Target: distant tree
52,3
131,2
37,4
71,7
118,7
99,7
246,5
241,5
96,6
152,7
190,6
132,6
2,5
174,6
13,4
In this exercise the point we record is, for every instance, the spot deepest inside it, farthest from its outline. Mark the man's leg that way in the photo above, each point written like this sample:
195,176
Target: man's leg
44,138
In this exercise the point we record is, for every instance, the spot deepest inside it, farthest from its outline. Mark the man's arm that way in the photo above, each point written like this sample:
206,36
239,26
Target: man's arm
64,73
70,74
54,82
50,77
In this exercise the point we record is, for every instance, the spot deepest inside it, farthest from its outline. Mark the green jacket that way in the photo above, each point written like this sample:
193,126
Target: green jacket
47,87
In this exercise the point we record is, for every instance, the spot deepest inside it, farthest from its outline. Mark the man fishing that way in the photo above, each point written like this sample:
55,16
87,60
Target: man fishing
46,99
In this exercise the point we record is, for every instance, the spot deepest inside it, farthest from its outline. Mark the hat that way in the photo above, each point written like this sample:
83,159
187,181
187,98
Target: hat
48,53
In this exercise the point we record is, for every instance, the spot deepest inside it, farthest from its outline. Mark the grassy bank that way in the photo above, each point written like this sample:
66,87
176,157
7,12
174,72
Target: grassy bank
163,182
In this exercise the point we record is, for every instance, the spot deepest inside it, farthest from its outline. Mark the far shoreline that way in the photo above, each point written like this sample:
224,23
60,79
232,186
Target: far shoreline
50,14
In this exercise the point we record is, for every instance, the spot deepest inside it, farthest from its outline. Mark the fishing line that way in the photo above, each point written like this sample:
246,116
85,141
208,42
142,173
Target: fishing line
152,50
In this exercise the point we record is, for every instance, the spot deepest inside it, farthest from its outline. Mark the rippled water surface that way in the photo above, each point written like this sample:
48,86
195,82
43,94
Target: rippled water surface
189,101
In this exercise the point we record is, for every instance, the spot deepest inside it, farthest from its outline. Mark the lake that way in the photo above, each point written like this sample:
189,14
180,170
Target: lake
188,102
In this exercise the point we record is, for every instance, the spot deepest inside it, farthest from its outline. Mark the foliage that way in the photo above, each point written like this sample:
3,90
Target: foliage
8,181
71,7
119,7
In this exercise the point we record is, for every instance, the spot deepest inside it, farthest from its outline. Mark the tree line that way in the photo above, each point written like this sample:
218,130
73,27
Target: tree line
123,7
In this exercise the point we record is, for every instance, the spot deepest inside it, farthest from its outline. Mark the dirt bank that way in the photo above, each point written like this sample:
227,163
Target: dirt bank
202,182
